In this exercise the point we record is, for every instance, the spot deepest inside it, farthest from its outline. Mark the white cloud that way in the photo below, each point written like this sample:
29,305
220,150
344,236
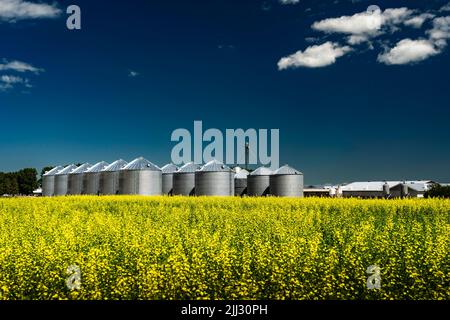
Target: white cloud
368,23
418,21
315,56
133,74
289,1
9,81
356,39
19,66
408,51
441,31
13,10
445,8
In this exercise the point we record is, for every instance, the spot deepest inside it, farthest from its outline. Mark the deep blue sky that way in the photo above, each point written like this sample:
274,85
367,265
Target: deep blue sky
216,61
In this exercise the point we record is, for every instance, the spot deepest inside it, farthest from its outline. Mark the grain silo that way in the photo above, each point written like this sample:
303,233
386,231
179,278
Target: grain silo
214,179
48,182
62,180
184,180
240,182
91,183
76,178
286,182
258,182
167,178
141,177
110,177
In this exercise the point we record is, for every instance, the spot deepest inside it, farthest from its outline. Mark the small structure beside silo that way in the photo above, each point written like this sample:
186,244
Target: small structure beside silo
286,182
140,177
214,179
167,178
258,182
110,178
91,182
184,180
48,182
62,180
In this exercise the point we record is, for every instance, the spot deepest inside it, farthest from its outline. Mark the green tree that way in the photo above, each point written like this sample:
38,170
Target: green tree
438,191
8,184
27,181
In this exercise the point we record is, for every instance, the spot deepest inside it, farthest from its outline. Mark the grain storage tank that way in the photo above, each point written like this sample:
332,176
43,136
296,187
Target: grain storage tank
62,180
286,182
110,176
141,177
214,179
167,178
240,182
91,182
184,180
76,178
48,182
258,182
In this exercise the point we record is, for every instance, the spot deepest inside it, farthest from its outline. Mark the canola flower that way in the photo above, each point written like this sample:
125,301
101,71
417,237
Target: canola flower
223,248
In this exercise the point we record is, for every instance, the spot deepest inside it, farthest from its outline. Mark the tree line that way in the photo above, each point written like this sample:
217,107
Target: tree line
22,182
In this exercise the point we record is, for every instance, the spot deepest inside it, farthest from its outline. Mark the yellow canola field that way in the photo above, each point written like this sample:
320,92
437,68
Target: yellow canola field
223,248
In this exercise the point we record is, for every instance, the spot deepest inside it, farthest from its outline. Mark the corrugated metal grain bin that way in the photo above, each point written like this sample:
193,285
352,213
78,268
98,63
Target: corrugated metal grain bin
167,178
48,182
214,179
76,179
62,180
184,180
91,183
141,177
258,182
287,182
240,183
110,178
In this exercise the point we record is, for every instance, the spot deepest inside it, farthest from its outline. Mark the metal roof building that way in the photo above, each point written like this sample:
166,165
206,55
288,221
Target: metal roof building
76,178
48,182
110,178
167,178
91,182
214,179
286,182
184,180
377,189
62,180
140,177
258,182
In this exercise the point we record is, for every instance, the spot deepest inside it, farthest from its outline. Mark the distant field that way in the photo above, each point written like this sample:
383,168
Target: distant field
217,248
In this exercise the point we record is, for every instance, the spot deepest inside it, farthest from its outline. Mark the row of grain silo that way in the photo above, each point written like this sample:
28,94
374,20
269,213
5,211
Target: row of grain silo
141,177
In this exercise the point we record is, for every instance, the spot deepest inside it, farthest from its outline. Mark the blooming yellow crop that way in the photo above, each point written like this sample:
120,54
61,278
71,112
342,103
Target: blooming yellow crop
223,248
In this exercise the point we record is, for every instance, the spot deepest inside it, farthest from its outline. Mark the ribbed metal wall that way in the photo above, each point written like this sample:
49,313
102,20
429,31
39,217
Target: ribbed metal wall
61,185
48,186
109,182
183,184
167,183
240,187
91,183
214,183
75,182
286,185
140,182
258,186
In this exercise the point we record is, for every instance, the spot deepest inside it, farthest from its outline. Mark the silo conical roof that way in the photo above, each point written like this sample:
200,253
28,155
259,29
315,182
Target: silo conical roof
242,174
215,166
169,168
189,168
66,170
81,169
286,170
53,172
97,167
116,166
262,171
141,164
